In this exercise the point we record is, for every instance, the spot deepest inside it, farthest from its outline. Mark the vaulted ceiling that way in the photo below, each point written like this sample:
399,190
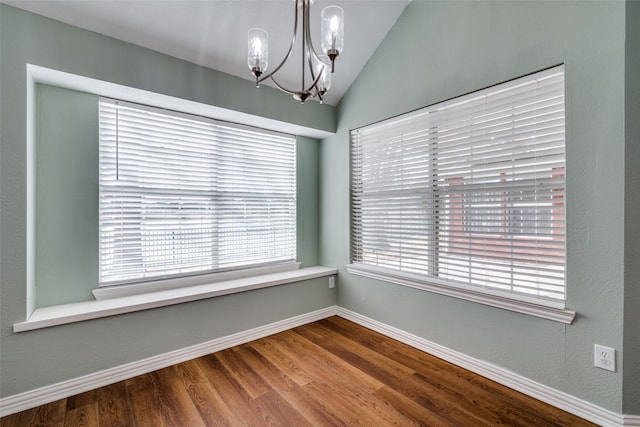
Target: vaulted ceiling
213,33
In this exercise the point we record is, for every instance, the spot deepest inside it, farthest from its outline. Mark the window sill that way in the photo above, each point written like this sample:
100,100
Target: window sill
127,290
561,315
81,311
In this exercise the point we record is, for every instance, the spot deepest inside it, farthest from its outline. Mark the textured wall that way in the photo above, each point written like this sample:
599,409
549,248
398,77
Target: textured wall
66,268
442,49
632,214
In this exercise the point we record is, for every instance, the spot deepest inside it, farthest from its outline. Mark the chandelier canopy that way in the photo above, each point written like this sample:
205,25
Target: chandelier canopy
318,67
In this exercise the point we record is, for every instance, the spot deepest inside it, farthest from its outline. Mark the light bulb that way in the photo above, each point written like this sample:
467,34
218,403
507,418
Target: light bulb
334,24
256,46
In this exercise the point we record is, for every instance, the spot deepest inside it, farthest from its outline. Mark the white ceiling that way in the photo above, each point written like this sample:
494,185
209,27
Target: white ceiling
213,33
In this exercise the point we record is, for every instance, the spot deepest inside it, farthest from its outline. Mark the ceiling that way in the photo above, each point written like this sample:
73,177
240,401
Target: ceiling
213,33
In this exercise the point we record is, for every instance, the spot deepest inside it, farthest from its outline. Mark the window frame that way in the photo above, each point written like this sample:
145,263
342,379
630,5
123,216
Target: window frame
553,309
158,282
70,312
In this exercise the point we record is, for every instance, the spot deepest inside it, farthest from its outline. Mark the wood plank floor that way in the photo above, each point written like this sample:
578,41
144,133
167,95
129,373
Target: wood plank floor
328,373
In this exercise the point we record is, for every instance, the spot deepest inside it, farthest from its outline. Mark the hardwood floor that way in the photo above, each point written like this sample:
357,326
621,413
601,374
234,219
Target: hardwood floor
328,373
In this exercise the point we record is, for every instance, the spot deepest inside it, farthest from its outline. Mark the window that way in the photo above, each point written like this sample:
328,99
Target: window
468,193
183,195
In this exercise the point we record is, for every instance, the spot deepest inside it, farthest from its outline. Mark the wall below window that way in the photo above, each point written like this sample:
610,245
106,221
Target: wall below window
440,50
66,205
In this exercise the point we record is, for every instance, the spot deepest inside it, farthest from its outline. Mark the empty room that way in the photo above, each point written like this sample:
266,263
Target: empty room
318,212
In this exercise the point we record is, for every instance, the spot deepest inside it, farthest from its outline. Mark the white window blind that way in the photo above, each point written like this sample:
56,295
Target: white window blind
468,193
183,194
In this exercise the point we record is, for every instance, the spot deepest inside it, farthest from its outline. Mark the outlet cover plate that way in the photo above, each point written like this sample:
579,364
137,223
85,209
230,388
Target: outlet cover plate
604,357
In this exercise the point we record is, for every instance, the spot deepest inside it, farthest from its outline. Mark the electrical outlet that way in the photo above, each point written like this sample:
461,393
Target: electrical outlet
332,282
604,357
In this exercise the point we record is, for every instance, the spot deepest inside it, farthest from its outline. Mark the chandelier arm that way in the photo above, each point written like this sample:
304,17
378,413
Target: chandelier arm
293,92
304,50
309,47
310,40
308,51
310,64
315,82
286,57
282,88
311,51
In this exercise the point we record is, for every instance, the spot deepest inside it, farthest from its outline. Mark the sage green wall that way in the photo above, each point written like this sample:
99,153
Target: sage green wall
308,200
43,357
631,347
66,196
441,49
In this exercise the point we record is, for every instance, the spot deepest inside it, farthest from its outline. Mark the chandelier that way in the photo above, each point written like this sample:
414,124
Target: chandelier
317,67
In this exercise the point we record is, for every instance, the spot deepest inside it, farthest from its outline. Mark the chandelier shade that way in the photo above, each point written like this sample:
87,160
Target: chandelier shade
316,68
332,25
258,48
323,69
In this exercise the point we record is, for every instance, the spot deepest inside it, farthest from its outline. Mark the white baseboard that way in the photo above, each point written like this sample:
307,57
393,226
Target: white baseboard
556,398
30,399
631,420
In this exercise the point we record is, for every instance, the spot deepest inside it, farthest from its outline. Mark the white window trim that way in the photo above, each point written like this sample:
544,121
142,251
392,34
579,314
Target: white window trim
382,135
49,76
118,291
490,298
87,310
38,318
